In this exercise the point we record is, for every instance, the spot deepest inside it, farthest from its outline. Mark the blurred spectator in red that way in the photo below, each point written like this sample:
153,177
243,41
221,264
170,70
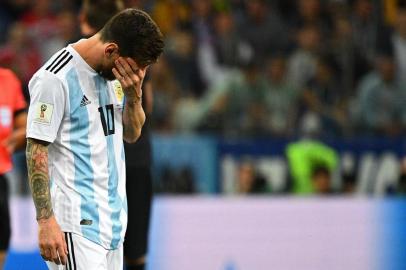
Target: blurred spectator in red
323,96
263,29
302,63
19,54
41,24
10,11
67,33
381,99
281,98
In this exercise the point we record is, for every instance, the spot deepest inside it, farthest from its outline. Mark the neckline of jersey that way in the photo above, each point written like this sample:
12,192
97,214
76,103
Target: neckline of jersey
80,58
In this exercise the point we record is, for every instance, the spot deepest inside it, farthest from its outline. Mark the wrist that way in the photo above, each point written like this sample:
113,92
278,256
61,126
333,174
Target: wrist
133,101
45,219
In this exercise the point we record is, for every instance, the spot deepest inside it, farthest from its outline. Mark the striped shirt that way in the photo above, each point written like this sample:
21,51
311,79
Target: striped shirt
80,114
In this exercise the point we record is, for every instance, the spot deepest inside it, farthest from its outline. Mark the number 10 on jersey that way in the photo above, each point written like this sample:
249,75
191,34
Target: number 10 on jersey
107,119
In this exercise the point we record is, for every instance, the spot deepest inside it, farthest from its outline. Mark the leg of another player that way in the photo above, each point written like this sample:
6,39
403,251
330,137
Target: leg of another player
2,258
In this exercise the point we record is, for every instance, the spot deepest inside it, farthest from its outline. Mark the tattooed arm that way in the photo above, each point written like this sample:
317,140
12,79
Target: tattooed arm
51,239
37,165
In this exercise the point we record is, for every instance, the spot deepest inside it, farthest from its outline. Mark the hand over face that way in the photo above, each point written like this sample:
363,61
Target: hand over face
131,77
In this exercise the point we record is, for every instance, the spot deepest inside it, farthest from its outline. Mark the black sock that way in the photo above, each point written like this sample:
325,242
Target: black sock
136,267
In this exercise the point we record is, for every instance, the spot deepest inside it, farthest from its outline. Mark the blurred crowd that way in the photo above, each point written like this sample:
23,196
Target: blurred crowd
276,68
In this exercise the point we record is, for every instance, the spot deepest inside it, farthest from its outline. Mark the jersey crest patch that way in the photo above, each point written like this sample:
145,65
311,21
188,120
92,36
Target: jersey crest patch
43,113
118,90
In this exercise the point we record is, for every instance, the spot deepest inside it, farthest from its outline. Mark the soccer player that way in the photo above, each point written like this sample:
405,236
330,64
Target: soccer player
94,14
84,101
13,118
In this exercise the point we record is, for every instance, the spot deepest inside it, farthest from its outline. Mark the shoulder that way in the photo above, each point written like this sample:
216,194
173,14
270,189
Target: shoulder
369,82
8,75
58,65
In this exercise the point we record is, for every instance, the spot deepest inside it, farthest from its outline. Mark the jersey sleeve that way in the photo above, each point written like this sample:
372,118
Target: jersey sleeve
47,107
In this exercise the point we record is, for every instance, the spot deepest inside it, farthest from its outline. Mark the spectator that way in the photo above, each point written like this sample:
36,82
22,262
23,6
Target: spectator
228,43
66,33
401,186
303,158
399,43
380,100
19,54
323,96
310,12
281,98
41,24
239,103
259,19
367,28
321,176
250,181
302,63
350,63
166,94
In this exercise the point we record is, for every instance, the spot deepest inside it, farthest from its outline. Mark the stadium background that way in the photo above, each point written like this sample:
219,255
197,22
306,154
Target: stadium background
251,99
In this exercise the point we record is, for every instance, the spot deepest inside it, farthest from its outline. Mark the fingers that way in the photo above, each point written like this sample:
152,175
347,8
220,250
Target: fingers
46,254
54,255
63,257
128,77
117,74
56,252
65,246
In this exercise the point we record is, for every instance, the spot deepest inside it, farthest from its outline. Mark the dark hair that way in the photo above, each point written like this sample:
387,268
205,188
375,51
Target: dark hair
98,12
136,35
320,169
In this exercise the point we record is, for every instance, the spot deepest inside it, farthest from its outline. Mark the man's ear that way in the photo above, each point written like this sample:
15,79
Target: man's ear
111,50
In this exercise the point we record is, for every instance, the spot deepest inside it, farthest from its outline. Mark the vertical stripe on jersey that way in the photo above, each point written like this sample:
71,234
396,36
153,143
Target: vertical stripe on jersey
115,202
80,147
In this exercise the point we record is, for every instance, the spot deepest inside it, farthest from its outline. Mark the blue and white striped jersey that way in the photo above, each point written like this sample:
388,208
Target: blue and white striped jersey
80,114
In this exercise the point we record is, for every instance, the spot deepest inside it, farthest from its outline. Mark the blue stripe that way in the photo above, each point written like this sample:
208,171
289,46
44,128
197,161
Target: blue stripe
80,147
115,202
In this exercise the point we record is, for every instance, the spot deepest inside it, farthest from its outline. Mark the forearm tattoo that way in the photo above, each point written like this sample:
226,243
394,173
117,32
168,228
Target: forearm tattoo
37,165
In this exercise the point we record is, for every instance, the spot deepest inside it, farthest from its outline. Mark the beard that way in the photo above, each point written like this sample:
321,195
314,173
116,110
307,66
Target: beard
107,74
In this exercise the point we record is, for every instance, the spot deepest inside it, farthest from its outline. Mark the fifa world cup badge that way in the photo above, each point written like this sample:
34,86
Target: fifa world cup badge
43,109
43,113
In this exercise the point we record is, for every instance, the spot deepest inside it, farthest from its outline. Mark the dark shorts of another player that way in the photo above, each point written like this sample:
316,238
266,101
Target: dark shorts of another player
139,196
5,230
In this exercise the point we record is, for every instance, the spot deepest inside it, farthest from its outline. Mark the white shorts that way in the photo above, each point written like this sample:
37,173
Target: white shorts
87,255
